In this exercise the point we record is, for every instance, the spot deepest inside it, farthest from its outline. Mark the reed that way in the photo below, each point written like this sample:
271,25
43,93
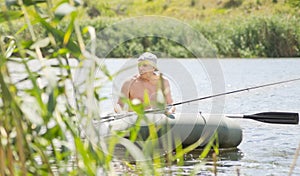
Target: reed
41,133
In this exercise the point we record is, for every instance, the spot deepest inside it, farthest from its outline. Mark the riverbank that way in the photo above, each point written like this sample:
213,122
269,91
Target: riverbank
233,28
249,37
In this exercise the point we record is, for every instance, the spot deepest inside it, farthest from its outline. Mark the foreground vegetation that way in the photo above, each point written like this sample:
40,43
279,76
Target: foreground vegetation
46,105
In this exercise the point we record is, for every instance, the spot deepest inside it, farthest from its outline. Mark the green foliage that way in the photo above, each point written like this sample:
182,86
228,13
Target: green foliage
233,3
252,36
294,3
34,125
276,36
134,47
245,36
9,15
40,129
236,28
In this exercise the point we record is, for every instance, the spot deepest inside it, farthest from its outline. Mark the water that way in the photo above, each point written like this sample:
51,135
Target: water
266,149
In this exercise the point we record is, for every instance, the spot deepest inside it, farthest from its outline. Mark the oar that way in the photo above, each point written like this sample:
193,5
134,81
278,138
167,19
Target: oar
266,117
271,117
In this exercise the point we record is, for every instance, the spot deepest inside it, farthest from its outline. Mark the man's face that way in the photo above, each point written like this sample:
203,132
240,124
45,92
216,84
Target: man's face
145,67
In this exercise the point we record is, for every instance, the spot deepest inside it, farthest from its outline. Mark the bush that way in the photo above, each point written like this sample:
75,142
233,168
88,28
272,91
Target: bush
276,36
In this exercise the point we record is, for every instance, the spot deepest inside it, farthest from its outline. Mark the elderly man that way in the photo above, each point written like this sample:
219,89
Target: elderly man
147,82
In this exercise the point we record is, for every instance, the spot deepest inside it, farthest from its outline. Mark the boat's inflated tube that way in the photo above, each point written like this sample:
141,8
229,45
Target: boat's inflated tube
183,129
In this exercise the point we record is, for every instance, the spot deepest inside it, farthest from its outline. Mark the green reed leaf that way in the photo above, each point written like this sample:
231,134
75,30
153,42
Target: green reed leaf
51,103
10,15
25,2
10,47
210,145
59,35
69,31
146,98
106,72
85,156
53,132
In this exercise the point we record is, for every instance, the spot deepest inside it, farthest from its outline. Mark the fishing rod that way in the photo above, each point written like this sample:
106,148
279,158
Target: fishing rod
268,117
235,91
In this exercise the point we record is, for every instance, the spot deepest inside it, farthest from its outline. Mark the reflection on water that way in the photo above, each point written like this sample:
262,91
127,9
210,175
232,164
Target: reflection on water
228,159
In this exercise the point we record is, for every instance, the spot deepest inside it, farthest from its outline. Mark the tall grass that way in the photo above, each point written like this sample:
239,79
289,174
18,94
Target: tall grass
276,36
236,28
247,37
39,125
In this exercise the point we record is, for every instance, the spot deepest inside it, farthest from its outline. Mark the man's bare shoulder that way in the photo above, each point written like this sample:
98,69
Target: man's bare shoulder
131,80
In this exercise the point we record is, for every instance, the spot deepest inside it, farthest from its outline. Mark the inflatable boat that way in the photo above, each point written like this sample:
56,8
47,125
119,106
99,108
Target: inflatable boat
183,129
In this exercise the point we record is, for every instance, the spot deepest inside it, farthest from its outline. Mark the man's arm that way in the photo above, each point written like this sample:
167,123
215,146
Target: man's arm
125,90
168,96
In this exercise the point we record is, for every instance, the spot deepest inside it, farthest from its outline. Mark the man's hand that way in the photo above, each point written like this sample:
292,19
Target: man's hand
170,110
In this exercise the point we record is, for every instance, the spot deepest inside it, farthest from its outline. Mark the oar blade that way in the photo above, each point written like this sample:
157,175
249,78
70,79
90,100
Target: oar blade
275,117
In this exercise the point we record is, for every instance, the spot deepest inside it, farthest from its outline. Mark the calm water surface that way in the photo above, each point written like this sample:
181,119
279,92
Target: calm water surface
266,149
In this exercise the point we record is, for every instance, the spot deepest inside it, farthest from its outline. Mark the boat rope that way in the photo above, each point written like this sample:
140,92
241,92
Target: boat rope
204,120
235,91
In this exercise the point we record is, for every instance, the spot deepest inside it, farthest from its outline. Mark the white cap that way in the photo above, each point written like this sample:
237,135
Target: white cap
147,56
